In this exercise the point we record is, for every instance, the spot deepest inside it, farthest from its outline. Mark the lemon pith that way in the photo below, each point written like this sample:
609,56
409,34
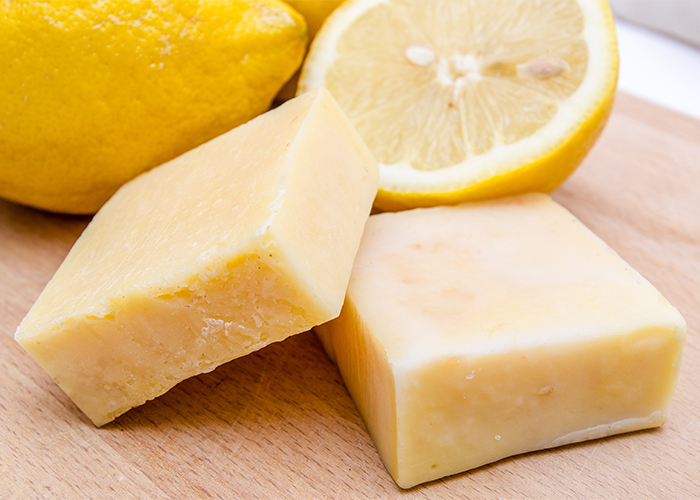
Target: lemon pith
469,99
94,93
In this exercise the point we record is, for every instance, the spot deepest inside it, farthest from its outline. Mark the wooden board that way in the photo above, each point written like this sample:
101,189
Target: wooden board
279,423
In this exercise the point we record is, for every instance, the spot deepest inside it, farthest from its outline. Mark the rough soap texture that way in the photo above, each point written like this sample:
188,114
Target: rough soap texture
477,332
241,242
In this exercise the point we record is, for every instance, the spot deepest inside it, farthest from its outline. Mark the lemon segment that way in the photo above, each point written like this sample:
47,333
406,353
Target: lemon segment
94,93
469,99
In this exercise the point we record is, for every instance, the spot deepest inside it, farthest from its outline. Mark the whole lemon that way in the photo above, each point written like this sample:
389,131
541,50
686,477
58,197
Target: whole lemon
92,93
315,12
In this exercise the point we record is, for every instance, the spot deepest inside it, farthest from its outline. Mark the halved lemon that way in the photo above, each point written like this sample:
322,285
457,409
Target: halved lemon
469,99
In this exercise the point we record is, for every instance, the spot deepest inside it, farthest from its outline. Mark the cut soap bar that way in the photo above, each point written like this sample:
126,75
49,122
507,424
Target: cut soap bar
241,242
473,333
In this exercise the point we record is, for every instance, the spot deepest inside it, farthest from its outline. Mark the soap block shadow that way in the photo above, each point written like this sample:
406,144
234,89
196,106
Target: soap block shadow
279,418
288,380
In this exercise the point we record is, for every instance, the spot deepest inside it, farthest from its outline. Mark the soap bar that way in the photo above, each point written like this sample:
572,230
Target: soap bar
241,242
477,332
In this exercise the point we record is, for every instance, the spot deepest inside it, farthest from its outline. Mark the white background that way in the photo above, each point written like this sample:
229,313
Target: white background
659,69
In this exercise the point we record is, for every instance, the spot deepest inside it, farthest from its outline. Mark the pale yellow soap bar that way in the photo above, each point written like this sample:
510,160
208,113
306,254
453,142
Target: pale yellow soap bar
241,242
477,332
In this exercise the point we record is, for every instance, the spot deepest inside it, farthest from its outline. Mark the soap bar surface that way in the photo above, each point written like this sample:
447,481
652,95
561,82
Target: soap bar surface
241,242
477,332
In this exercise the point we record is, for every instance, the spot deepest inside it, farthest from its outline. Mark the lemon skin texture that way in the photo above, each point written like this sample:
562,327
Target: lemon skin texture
94,93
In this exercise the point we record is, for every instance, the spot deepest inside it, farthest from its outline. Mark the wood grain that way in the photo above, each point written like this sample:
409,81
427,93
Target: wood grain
279,423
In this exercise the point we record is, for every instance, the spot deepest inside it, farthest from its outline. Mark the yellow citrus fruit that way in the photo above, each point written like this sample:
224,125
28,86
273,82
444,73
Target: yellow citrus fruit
94,93
315,12
469,99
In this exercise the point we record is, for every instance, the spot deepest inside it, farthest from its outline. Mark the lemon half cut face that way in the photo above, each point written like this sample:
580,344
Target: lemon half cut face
469,99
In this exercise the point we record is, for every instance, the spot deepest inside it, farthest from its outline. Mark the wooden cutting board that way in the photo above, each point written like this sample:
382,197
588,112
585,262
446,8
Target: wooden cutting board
279,423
